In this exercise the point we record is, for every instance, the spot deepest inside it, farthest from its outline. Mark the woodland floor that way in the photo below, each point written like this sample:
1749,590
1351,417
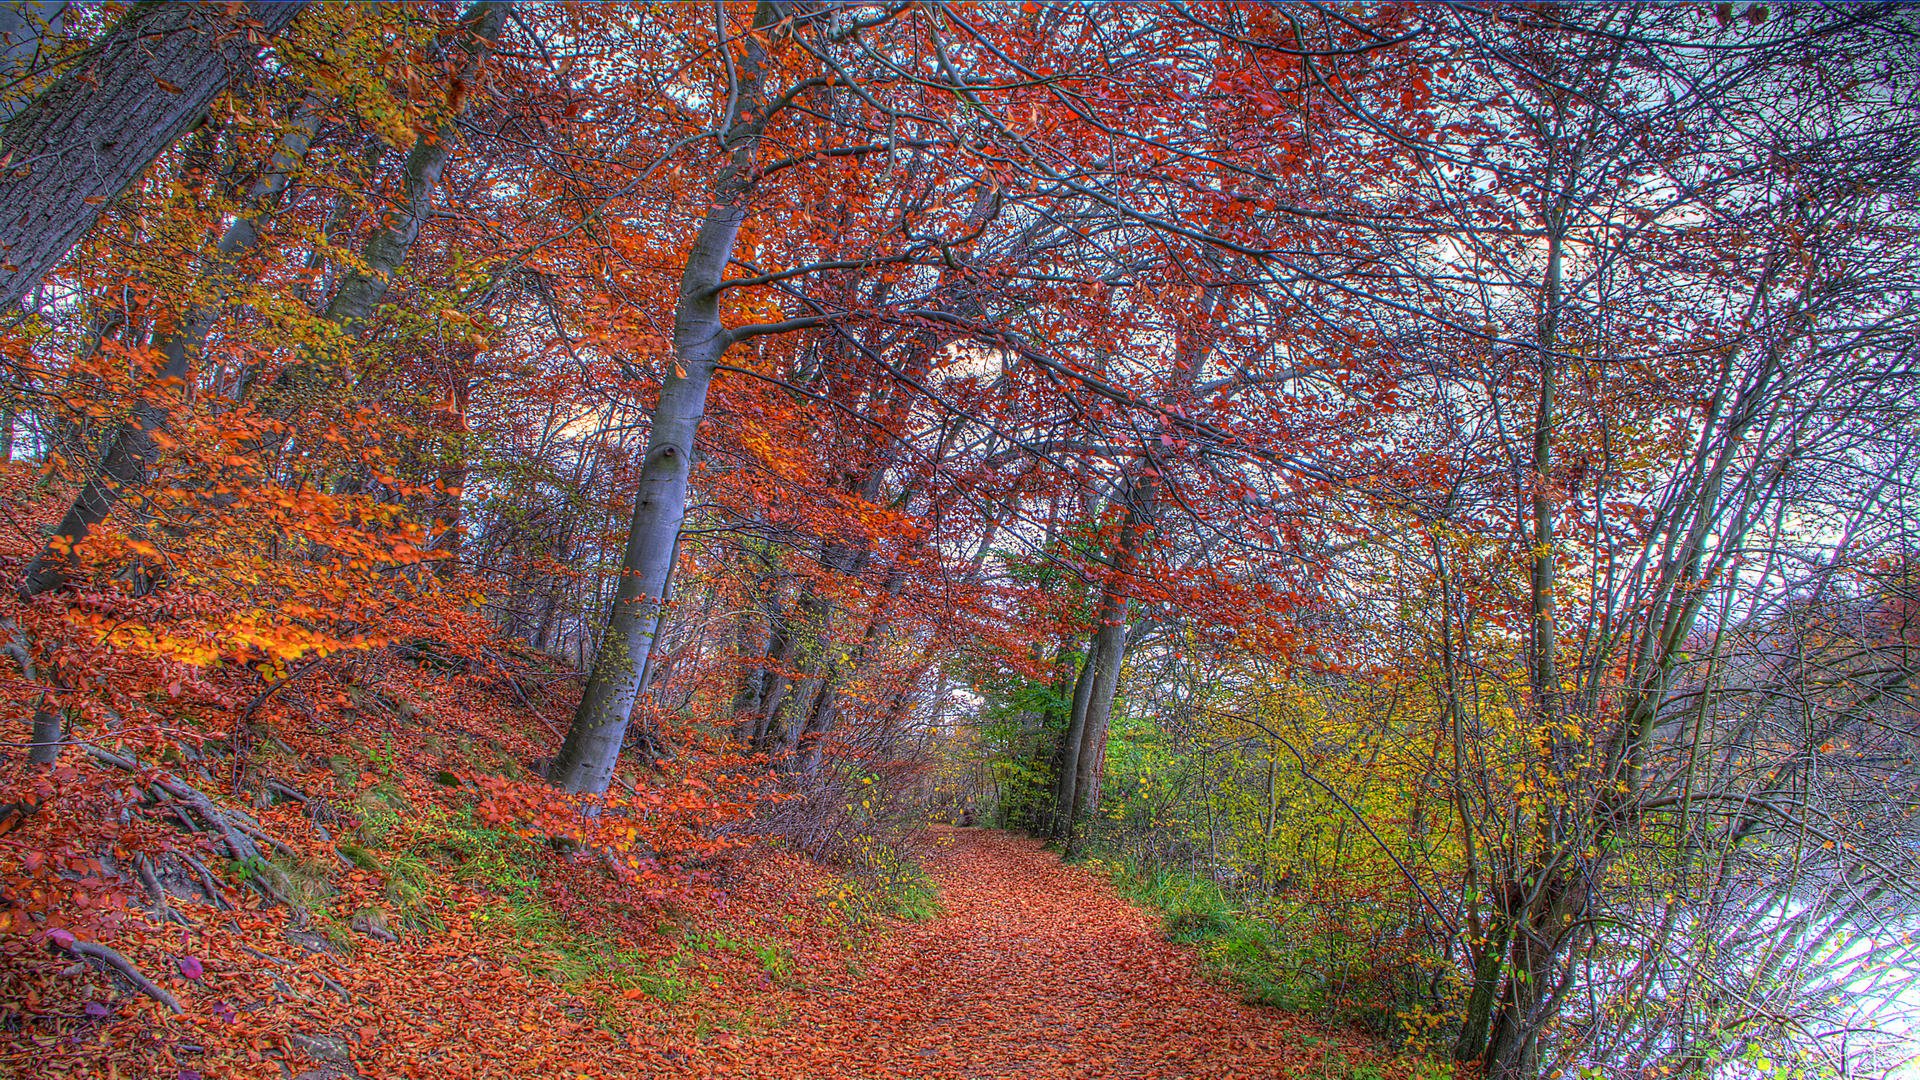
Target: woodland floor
1034,968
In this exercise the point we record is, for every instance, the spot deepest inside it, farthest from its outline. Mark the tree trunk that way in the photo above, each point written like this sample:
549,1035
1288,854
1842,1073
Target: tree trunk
1083,753
451,470
1513,1051
586,759
1489,961
84,140
131,448
363,287
591,749
749,641
761,724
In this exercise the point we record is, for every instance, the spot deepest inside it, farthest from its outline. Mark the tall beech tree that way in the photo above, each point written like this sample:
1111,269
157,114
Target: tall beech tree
586,759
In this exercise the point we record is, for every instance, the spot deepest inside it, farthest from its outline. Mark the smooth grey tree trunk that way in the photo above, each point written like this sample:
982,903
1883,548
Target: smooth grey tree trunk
592,746
591,749
80,143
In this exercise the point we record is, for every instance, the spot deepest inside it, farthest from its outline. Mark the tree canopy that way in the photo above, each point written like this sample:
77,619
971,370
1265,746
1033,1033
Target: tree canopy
1439,476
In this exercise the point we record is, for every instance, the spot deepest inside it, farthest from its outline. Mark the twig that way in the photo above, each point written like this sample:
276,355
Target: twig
317,807
268,957
335,987
246,717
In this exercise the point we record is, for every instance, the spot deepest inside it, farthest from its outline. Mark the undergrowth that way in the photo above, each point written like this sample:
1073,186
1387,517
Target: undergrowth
1268,961
1248,951
868,829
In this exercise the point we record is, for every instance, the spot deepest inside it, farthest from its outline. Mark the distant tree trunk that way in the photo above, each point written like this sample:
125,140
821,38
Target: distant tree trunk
816,618
783,647
591,749
450,480
1083,754
1083,750
365,286
750,644
101,123
826,705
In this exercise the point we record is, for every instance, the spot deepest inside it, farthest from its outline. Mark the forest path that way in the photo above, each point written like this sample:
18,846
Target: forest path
1034,969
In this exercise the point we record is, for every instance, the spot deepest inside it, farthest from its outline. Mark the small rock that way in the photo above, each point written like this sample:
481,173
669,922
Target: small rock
322,1047
312,942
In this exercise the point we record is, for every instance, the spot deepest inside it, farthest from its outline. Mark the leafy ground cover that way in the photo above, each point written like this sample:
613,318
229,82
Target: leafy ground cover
1035,968
359,874
451,948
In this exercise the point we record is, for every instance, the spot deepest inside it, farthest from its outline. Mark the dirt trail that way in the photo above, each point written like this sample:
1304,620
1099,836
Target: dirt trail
1035,969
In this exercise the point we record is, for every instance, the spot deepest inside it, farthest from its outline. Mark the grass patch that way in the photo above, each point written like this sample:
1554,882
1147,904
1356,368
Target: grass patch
378,811
776,961
917,901
1269,960
305,882
892,886
1245,949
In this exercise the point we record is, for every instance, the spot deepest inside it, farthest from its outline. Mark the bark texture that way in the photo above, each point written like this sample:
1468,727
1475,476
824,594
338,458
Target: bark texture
83,141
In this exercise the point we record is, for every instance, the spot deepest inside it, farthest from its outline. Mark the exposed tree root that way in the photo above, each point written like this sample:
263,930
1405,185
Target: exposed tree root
89,950
159,893
207,882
